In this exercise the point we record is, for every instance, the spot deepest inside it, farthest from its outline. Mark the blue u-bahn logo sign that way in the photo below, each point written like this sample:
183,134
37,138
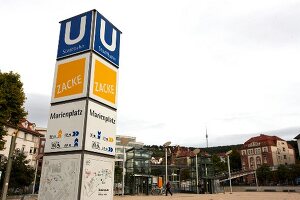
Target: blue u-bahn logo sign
107,39
75,35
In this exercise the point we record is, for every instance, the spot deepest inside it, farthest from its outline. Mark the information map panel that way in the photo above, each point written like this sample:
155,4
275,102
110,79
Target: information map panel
60,177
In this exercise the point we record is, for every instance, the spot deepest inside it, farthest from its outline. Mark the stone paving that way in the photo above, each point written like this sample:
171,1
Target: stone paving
221,196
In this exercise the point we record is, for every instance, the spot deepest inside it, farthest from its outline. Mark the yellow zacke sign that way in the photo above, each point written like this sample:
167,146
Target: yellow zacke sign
70,78
105,82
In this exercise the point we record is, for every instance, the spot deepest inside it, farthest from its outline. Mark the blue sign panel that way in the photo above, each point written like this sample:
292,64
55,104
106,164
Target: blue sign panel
107,39
75,35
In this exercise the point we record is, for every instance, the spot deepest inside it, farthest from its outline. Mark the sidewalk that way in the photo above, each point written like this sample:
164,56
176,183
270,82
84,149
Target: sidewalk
221,196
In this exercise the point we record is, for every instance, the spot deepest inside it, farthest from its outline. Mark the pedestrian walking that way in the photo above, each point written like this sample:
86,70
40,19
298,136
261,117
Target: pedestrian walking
168,188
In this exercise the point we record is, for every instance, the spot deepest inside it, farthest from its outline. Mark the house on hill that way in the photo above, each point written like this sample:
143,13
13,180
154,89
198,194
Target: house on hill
264,149
27,141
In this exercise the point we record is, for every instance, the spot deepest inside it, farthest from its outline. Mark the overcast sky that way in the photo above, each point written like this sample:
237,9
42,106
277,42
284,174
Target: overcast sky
229,65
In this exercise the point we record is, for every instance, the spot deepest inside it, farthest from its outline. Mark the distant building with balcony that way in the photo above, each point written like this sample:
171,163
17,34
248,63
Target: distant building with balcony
138,169
27,141
263,149
206,173
132,143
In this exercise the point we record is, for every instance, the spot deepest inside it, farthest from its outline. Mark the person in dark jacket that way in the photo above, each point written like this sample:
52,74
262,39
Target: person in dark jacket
168,188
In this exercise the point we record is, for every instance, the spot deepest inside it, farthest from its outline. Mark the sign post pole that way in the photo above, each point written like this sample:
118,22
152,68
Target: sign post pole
80,140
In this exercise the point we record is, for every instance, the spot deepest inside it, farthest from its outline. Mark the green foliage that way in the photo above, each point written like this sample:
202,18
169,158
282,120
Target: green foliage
221,149
12,98
219,166
22,174
235,160
283,173
263,174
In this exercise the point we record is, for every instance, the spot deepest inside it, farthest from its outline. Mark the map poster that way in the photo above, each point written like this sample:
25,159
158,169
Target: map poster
101,129
60,177
97,178
65,127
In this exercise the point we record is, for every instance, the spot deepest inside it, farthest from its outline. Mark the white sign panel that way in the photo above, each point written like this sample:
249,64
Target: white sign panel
97,178
101,129
65,127
60,177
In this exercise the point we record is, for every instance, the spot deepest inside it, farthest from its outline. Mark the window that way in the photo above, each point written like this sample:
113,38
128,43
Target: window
258,161
284,156
265,159
283,149
23,148
31,150
244,152
250,151
252,163
265,149
257,151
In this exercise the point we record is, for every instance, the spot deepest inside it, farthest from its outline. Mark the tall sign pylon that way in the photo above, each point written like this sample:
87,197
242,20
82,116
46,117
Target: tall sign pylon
80,140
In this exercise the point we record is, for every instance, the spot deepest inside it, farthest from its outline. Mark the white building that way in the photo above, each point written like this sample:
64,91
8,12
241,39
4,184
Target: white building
27,141
120,147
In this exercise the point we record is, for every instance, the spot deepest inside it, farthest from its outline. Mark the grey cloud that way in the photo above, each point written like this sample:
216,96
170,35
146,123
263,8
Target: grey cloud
38,106
128,125
273,27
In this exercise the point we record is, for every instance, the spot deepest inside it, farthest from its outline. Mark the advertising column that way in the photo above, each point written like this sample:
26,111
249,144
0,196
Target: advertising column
80,140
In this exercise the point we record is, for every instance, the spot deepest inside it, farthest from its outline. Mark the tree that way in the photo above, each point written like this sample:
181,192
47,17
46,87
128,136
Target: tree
22,174
219,166
294,172
263,174
235,161
282,173
12,100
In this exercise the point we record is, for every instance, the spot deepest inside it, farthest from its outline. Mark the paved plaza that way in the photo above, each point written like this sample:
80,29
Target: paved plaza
221,196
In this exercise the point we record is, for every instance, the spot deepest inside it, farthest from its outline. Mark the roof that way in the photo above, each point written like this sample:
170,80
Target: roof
27,127
297,137
268,140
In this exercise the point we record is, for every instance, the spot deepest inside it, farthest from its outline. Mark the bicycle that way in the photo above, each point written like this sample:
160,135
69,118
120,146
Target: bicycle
158,191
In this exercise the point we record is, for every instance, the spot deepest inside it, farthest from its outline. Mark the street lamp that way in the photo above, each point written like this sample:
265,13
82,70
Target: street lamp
228,164
166,155
196,151
124,141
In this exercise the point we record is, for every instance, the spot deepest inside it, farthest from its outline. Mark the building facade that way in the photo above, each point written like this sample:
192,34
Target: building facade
270,150
138,170
130,143
27,141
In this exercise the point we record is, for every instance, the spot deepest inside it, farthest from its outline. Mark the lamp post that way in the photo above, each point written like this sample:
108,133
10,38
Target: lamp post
124,141
196,151
166,155
228,164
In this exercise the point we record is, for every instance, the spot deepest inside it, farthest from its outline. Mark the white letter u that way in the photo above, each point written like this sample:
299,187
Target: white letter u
70,41
113,45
